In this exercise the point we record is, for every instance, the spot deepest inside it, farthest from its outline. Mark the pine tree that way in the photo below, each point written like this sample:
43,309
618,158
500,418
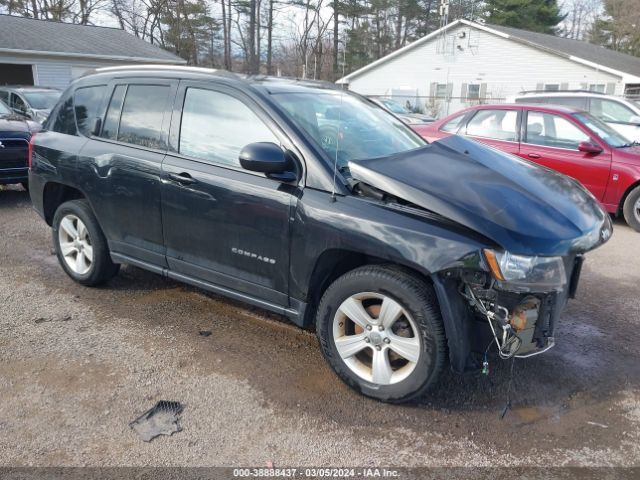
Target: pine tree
533,15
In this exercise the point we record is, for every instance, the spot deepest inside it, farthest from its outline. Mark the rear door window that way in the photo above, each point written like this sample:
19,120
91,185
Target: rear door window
495,124
136,114
4,96
142,115
87,103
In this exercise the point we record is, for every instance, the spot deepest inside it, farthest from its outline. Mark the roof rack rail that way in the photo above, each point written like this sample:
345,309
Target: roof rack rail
563,91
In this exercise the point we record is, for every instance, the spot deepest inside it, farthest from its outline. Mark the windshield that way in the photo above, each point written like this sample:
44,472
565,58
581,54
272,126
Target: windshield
394,107
347,128
42,100
4,110
604,131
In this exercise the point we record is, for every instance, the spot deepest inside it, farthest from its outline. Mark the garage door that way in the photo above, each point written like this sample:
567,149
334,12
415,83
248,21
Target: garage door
13,74
53,75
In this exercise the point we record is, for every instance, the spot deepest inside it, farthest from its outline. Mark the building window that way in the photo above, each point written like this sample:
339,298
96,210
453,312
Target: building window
474,91
551,87
597,87
441,90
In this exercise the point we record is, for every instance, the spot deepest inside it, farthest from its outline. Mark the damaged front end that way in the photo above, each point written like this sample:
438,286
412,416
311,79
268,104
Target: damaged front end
508,301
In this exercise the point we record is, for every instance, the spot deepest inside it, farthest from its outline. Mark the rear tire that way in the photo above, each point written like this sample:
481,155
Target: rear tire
80,245
631,209
381,331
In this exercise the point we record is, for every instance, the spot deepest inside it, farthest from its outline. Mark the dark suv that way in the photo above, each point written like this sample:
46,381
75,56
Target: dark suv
15,133
404,256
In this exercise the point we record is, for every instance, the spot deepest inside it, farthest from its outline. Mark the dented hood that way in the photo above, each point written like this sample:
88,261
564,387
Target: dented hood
525,208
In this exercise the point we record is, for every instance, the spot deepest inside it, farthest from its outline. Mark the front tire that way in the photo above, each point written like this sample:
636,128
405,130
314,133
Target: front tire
80,245
631,209
381,330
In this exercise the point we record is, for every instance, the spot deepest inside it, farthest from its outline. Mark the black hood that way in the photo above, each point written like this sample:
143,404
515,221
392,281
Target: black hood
525,208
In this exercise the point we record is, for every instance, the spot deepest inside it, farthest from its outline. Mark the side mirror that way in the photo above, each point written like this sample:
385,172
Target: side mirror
635,119
266,157
589,147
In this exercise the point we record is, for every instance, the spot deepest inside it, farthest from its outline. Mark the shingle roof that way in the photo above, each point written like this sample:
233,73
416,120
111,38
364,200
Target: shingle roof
576,48
27,34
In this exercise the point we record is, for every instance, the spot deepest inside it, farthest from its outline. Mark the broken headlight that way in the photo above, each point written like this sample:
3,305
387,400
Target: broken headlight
520,273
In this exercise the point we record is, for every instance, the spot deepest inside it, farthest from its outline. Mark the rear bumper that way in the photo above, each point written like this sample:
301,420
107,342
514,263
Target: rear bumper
13,175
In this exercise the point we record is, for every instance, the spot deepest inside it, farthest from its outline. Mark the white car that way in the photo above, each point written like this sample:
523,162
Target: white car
623,115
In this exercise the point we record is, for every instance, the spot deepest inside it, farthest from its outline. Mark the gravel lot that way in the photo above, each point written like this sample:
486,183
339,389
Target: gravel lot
78,364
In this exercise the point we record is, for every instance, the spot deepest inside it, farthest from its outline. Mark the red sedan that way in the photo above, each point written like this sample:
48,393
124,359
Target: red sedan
565,139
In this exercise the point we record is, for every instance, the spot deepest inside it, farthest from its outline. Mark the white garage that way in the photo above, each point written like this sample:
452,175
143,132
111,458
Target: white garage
52,54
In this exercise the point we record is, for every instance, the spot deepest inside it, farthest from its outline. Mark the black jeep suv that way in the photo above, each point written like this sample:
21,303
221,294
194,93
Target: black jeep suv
317,204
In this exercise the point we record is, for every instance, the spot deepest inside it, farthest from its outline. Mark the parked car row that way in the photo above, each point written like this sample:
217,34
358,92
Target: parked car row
405,256
566,139
34,103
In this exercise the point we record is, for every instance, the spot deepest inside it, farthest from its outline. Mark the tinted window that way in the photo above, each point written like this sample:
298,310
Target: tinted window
577,102
498,124
610,111
142,115
532,100
111,121
87,102
553,131
64,118
452,125
216,126
4,96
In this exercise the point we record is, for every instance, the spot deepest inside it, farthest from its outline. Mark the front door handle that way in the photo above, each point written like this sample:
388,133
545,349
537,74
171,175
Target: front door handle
533,155
183,178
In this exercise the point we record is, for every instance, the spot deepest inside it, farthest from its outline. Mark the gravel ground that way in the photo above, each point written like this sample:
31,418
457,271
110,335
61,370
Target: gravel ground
78,364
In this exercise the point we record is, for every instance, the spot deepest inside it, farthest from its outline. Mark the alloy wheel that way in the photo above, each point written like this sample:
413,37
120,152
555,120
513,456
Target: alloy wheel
75,244
376,338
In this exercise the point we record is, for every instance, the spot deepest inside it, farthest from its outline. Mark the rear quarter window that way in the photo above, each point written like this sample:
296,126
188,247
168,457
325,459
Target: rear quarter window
87,103
63,118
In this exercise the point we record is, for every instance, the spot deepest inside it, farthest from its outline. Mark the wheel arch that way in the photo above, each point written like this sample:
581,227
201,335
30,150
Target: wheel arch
624,197
55,194
335,262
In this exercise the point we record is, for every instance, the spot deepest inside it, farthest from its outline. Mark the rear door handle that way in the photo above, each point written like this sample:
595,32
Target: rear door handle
533,155
183,178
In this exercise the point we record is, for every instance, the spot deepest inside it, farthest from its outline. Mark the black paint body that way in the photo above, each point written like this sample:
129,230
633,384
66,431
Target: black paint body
277,244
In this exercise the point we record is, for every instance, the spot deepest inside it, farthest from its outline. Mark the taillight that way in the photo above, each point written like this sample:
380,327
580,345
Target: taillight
30,157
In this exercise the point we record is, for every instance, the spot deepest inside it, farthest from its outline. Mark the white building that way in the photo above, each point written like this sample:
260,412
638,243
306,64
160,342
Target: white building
51,54
466,63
